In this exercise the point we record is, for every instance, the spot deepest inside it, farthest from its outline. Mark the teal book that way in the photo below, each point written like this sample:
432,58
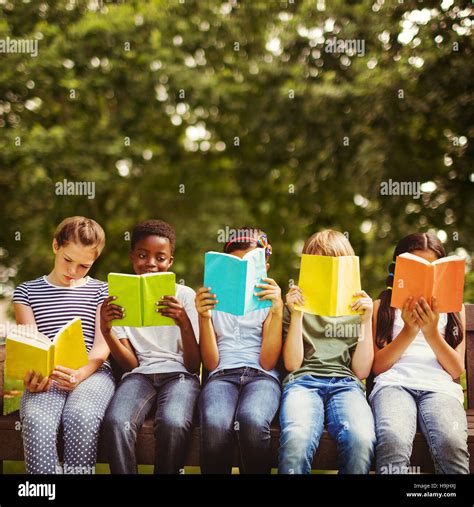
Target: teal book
138,294
233,280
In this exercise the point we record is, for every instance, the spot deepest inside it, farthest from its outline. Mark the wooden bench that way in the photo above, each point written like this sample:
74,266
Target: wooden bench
11,446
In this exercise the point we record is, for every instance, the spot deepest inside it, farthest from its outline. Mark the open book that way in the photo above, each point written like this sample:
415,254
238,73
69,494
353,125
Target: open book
138,294
233,280
417,277
27,349
328,284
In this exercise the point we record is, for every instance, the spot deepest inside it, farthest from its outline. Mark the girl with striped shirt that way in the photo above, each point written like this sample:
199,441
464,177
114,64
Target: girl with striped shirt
77,399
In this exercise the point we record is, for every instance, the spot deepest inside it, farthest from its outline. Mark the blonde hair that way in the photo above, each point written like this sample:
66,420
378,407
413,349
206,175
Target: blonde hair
81,230
328,242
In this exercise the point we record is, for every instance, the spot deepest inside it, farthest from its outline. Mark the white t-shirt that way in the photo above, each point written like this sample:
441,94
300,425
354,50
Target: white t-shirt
159,349
418,368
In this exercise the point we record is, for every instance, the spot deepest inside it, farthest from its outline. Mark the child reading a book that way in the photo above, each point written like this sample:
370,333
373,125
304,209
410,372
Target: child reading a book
326,357
161,363
418,355
76,398
242,393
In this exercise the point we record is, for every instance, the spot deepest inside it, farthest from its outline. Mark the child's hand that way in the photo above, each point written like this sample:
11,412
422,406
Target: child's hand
66,378
36,383
363,303
427,318
294,297
108,313
173,309
409,316
205,302
270,291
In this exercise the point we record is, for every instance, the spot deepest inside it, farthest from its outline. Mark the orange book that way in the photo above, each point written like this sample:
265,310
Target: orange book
443,278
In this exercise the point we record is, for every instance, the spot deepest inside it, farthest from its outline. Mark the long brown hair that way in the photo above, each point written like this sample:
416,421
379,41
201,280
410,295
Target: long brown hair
386,314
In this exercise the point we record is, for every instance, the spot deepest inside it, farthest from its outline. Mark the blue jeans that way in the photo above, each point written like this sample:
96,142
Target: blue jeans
441,419
175,396
306,402
238,403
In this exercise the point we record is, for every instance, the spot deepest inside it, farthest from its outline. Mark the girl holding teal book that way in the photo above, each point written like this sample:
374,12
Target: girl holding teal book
76,398
242,394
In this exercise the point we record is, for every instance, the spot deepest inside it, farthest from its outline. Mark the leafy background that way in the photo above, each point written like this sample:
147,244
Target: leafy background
215,114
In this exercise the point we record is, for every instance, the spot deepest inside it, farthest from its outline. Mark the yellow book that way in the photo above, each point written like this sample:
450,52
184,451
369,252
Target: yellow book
328,284
27,349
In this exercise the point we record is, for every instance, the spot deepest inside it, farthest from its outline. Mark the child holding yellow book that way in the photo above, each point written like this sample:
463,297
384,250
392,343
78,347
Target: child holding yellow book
419,354
326,357
76,398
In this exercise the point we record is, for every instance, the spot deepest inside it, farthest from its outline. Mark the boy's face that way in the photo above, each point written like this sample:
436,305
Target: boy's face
151,254
72,261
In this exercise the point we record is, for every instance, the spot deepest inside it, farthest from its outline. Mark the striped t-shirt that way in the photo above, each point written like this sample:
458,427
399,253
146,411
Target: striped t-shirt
55,306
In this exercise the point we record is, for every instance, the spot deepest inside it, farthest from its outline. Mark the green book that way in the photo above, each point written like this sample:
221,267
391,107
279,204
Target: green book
138,294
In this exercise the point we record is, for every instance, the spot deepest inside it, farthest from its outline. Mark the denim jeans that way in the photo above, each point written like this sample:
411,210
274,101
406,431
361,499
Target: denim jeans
238,403
175,396
441,419
306,403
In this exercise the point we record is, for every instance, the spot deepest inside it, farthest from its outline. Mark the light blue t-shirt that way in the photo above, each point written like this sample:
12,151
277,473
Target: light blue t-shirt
239,340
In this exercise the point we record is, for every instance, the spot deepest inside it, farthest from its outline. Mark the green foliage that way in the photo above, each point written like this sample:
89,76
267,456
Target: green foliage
309,135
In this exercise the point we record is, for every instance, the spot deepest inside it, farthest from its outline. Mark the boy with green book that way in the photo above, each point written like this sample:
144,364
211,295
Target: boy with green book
161,363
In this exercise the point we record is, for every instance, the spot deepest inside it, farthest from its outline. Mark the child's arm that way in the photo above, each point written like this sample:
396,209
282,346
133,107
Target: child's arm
121,349
293,350
452,360
271,343
387,356
175,310
205,302
34,382
364,353
68,379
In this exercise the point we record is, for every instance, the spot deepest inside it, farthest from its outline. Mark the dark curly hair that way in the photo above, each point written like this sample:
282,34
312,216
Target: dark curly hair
153,228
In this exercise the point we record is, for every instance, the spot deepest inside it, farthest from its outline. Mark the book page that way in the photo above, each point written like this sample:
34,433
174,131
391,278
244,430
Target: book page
154,287
226,275
69,346
411,279
348,283
448,284
256,271
128,292
318,281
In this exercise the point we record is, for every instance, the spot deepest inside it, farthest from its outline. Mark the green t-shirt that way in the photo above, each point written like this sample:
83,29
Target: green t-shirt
329,343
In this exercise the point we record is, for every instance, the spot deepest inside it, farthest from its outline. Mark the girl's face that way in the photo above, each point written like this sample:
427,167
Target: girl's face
152,254
428,255
72,261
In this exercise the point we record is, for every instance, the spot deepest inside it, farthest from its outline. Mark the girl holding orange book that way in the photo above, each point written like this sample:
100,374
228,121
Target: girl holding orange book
419,353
